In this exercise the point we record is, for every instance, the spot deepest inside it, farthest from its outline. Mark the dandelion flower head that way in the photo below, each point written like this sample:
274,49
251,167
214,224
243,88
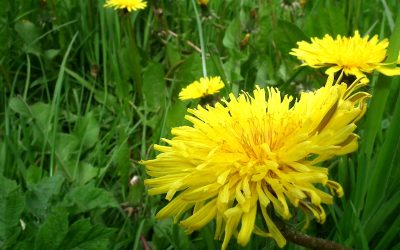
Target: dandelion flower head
129,5
249,154
354,55
202,2
204,87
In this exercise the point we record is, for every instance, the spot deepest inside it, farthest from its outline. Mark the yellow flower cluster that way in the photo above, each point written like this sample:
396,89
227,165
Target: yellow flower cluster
248,153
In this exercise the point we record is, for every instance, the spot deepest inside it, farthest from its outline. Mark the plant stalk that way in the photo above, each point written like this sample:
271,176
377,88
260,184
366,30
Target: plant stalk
292,235
203,53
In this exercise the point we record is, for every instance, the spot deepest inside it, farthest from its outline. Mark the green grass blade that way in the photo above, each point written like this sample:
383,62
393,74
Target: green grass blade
381,171
380,94
380,217
56,103
390,235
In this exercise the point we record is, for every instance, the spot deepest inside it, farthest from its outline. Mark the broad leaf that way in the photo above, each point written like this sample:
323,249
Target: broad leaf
85,236
85,198
154,90
39,195
52,231
11,207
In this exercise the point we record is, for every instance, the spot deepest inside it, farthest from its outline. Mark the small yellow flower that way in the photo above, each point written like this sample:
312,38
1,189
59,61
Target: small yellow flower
354,55
129,5
202,2
248,154
204,87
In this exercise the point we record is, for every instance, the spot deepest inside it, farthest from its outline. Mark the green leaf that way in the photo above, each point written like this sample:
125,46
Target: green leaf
233,35
41,112
122,160
286,35
378,169
52,232
154,90
380,94
84,172
105,98
161,238
380,218
7,186
87,130
391,235
263,73
29,33
39,195
85,198
189,71
326,20
11,207
231,41
135,196
173,54
233,66
165,231
85,236
174,116
33,175
18,105
50,54
380,174
66,146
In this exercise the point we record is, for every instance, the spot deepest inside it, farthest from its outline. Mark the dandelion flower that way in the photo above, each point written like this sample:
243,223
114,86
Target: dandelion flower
204,87
354,55
248,154
202,2
129,5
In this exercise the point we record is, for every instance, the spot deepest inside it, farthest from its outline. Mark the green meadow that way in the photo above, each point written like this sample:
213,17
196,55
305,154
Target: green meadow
86,91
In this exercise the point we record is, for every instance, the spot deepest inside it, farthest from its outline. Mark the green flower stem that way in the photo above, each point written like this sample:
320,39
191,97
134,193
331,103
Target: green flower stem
203,52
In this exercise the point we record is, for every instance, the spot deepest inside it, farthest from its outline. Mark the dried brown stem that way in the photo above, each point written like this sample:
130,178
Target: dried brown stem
144,243
292,235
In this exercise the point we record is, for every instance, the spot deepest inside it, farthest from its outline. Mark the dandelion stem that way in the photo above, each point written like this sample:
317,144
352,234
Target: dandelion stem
305,240
203,53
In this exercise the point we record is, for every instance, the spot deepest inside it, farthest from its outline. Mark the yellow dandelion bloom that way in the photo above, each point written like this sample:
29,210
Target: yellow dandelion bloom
202,2
129,5
248,154
204,87
354,55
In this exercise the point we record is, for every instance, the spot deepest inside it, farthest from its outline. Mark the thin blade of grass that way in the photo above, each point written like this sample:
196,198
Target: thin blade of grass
390,235
381,172
56,103
380,94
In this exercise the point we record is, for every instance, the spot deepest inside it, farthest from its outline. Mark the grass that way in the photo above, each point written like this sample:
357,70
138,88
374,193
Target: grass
86,91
